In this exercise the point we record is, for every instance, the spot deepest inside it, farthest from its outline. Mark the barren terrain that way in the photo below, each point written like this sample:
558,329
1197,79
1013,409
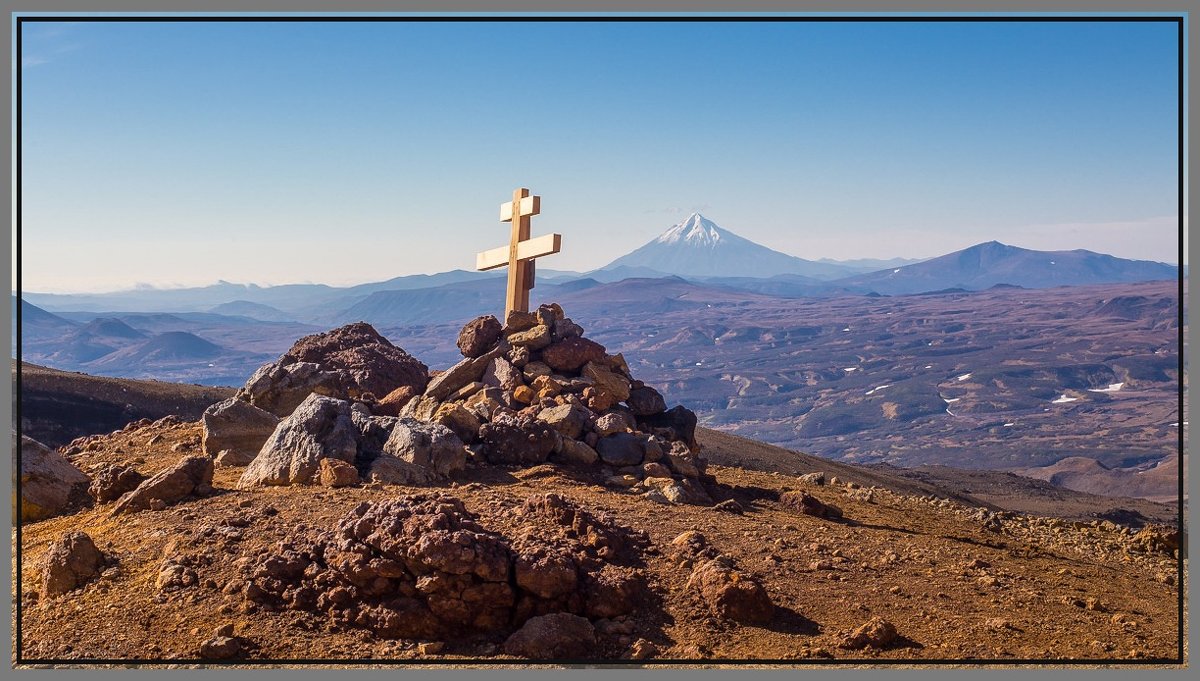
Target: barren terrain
956,582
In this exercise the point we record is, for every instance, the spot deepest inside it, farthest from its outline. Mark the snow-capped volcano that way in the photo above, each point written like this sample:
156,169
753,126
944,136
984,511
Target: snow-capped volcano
697,247
696,230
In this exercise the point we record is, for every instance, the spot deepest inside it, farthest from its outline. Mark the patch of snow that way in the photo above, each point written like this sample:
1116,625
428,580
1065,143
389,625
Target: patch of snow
846,329
849,369
1009,424
928,366
1112,388
1051,262
1064,399
699,363
951,400
696,230
950,412
895,270
878,387
964,377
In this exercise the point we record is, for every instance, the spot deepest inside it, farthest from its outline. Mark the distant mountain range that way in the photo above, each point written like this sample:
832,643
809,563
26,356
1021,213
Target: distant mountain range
695,255
993,263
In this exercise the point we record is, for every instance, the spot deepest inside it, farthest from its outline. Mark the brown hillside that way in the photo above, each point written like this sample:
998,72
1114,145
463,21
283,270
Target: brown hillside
957,583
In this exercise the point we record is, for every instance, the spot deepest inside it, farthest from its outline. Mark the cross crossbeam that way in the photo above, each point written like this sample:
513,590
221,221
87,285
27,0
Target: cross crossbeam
520,253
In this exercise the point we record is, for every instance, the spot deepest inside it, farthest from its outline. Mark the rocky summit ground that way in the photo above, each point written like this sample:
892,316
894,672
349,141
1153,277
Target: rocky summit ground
536,502
955,583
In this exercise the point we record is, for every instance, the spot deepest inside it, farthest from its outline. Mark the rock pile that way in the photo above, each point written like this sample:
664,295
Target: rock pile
535,390
529,391
422,566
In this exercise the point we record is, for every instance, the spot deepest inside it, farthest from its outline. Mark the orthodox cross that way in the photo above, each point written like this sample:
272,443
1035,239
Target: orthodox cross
520,252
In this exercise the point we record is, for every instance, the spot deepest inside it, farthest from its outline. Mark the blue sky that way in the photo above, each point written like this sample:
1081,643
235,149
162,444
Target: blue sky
180,154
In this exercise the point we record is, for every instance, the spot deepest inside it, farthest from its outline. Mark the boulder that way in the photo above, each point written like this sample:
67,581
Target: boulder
518,321
646,401
467,371
364,361
557,636
221,648
683,465
817,478
191,476
809,505
431,448
607,382
320,428
48,481
478,336
569,420
621,449
574,453
237,426
338,473
571,353
280,386
501,374
517,440
391,403
72,561
373,432
610,424
731,594
459,419
565,328
875,633
680,420
112,481
535,338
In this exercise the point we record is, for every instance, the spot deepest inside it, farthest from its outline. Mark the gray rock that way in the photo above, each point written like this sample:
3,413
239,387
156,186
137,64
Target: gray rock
569,420
373,432
428,446
610,424
817,478
501,374
462,374
238,427
48,480
621,449
573,452
280,386
320,428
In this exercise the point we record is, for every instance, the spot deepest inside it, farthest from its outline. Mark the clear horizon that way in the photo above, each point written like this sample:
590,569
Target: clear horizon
182,154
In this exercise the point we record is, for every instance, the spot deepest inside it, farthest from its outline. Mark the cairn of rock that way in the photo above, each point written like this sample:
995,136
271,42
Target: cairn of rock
535,390
527,392
422,566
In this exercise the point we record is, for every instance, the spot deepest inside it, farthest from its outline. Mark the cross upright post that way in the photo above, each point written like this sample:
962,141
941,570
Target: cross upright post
521,250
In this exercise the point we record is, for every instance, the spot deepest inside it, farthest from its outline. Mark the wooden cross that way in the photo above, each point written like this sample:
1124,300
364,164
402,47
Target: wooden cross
520,252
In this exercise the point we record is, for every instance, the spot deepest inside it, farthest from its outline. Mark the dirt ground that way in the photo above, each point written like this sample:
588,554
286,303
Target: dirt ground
1020,589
